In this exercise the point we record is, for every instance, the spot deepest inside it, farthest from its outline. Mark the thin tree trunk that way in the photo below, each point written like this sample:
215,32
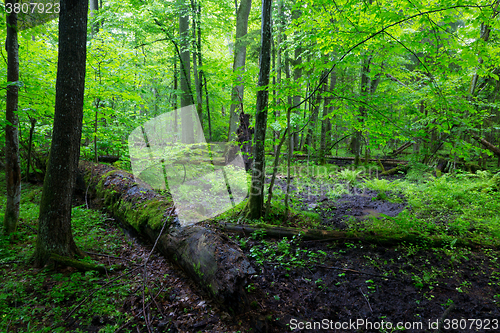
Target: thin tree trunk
325,122
208,109
297,75
310,142
240,51
94,9
196,57
30,145
187,124
278,68
256,200
290,141
364,90
54,223
175,103
97,102
12,165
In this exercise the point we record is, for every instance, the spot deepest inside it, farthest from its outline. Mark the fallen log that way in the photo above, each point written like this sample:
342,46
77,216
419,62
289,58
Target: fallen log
388,161
401,149
495,150
84,266
392,171
214,263
370,237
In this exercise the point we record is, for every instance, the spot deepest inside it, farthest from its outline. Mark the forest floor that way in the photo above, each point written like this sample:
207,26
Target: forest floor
301,286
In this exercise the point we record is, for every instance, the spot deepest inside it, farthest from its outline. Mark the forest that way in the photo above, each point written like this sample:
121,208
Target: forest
250,166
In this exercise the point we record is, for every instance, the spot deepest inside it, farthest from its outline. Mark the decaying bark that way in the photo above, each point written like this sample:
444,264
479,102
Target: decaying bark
400,149
215,263
383,239
244,138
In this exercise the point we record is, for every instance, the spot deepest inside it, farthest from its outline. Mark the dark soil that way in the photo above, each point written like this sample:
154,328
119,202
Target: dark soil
354,287
355,206
359,282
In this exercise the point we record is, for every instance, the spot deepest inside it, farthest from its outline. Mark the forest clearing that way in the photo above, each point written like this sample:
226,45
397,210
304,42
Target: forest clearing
271,166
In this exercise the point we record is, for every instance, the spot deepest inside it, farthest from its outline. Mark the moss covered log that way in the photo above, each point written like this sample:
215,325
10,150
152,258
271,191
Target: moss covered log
215,263
370,237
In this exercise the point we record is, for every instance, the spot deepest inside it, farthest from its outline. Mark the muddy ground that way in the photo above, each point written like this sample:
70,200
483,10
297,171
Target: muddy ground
350,287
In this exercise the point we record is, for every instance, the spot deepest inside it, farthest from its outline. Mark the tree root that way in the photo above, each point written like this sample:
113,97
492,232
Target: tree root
84,266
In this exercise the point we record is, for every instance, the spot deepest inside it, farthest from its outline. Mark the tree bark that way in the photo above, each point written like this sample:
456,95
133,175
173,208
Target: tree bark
54,223
213,262
196,57
256,200
240,51
297,75
12,165
186,96
391,239
30,146
310,142
364,90
325,123
487,145
94,9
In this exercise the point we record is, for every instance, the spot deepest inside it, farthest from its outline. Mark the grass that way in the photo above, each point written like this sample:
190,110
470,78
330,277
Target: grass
34,300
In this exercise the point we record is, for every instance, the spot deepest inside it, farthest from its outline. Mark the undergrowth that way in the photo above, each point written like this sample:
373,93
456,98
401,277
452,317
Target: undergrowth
43,300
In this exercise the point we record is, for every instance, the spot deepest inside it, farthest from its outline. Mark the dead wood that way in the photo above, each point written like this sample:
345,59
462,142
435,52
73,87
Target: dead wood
395,170
388,161
215,264
371,237
495,150
400,149
84,266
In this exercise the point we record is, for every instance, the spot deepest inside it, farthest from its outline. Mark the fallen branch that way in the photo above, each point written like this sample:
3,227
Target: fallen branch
395,170
495,150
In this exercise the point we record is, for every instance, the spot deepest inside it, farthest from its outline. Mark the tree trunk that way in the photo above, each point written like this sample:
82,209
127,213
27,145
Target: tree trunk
174,98
290,141
196,56
310,143
213,262
325,123
54,223
297,75
186,97
12,165
30,146
364,90
94,9
256,200
240,51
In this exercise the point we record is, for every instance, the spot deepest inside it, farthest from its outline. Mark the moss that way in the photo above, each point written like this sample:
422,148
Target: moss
137,215
153,212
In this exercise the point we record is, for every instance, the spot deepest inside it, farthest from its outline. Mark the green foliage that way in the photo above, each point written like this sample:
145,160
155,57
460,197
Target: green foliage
350,176
285,253
38,301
